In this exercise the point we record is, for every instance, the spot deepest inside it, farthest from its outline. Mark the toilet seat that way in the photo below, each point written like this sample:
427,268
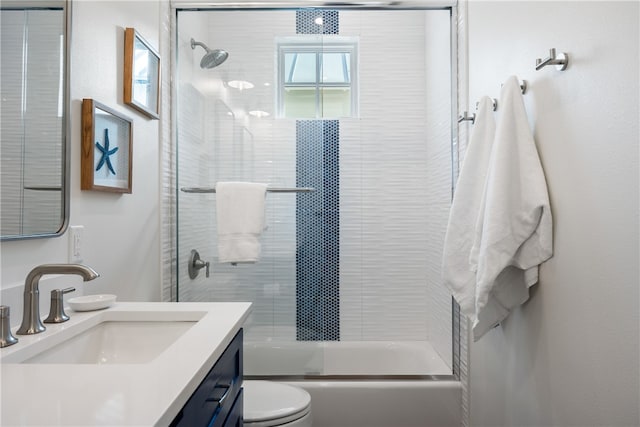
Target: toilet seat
269,403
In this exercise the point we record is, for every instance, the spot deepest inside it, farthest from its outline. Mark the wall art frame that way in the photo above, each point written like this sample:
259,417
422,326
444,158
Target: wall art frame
107,149
141,74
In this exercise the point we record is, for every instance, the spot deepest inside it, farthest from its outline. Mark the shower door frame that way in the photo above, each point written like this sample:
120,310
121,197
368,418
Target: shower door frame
457,93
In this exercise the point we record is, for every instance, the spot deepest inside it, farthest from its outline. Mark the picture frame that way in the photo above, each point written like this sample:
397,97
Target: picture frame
141,74
107,149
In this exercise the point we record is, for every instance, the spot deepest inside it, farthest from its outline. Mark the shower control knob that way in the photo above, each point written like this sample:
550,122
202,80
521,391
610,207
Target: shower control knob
196,264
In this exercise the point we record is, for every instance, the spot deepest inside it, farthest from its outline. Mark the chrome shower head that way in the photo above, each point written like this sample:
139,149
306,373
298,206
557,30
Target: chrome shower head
212,58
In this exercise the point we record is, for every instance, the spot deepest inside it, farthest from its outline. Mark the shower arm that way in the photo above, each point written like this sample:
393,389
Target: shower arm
202,45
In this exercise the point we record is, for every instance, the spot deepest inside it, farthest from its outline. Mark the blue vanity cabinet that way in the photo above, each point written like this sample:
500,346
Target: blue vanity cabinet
217,402
235,417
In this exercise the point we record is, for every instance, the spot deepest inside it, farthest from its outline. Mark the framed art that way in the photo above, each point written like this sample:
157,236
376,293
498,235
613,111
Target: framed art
141,74
107,147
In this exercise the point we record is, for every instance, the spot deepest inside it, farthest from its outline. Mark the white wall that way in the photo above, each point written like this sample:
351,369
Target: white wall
569,356
121,236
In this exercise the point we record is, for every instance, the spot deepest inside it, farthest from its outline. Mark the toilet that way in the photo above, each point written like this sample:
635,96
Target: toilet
268,403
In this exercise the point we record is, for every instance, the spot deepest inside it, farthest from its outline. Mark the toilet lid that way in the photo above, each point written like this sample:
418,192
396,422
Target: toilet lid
266,400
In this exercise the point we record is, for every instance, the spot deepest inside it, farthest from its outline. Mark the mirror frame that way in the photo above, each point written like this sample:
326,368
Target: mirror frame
65,179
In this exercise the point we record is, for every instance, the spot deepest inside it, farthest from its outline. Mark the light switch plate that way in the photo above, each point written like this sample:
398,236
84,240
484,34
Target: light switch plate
76,240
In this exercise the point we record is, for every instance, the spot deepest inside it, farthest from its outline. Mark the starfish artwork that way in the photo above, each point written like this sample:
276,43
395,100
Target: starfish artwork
106,153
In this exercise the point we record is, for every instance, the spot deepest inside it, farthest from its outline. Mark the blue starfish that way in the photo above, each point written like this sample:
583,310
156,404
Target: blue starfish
106,153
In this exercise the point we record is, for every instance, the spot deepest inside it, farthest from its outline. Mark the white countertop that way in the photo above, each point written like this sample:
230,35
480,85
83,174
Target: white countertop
141,394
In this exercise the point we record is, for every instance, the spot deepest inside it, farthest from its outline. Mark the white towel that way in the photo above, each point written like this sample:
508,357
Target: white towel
456,272
240,210
516,224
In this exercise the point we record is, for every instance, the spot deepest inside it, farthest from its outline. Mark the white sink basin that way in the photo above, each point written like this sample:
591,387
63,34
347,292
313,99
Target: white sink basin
115,342
110,337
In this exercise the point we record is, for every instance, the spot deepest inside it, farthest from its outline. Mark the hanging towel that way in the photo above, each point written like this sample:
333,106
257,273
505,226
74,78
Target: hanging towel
514,231
240,210
459,239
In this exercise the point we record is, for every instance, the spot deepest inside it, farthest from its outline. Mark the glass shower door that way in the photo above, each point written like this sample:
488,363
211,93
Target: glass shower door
354,263
224,134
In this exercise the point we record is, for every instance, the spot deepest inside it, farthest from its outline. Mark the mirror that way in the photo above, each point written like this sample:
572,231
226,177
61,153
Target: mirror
34,192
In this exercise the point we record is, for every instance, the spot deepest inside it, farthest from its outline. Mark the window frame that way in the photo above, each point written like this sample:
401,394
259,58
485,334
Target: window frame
318,45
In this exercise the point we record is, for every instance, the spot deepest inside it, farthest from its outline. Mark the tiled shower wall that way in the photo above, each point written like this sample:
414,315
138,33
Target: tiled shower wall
394,175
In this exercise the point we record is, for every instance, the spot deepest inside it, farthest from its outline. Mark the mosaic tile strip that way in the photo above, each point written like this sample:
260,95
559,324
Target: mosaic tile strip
316,21
317,231
317,214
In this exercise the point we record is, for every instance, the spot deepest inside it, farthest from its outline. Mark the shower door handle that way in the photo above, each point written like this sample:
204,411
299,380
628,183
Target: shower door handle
196,264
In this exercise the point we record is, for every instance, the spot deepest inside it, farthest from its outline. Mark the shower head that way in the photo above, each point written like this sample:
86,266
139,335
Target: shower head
212,58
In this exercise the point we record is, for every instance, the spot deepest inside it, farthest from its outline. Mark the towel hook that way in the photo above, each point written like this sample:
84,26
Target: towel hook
494,104
466,117
523,86
560,61
472,118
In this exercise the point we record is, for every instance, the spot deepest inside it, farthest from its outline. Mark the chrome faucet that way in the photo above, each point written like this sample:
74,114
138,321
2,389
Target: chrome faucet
31,323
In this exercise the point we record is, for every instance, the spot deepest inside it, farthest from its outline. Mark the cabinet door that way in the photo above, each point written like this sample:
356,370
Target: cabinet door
235,416
211,403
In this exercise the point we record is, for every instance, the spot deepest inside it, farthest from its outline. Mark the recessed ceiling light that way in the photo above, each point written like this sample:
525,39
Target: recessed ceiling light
240,84
259,113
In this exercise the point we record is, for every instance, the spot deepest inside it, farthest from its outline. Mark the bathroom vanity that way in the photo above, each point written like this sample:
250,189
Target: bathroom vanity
139,364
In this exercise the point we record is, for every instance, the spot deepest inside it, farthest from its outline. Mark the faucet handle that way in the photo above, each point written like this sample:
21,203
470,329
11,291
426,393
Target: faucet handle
6,338
56,313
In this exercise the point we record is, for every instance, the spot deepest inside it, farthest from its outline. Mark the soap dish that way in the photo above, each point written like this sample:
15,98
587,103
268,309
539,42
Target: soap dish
91,302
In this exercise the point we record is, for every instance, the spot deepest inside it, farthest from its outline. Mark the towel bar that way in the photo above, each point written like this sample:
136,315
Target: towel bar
269,190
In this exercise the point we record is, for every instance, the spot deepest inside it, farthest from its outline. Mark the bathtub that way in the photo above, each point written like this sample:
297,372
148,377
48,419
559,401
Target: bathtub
363,384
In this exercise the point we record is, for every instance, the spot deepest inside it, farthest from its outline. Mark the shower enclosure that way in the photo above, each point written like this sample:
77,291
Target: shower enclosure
351,113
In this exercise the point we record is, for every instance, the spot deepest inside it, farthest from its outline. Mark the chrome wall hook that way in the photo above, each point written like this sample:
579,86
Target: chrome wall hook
523,86
466,117
560,61
494,104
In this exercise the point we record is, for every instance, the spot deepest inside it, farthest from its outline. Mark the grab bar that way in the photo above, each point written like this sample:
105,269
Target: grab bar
270,190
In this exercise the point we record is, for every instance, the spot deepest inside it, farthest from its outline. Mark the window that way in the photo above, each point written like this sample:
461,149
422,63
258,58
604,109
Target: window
317,77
